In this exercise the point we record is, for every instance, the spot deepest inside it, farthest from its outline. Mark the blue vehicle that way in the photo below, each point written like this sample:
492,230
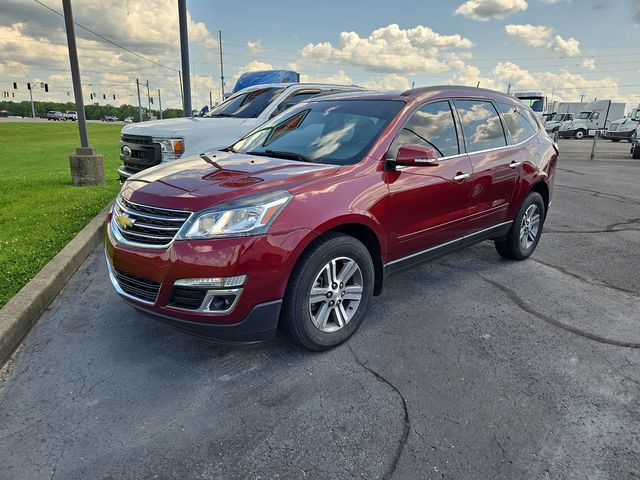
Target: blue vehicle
250,79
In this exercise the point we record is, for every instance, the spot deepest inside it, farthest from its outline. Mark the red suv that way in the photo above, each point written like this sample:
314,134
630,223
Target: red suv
298,224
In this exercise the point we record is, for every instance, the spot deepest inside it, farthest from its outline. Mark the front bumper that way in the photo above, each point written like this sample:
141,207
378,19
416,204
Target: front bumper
618,135
567,133
266,260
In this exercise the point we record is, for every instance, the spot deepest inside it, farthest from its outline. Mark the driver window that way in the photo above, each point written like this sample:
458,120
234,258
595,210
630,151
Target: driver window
294,100
432,125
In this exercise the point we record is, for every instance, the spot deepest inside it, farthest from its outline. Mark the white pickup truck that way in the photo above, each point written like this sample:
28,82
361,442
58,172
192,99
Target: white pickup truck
146,144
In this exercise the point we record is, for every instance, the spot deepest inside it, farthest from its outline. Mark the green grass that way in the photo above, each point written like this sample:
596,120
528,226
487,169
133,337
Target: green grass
40,210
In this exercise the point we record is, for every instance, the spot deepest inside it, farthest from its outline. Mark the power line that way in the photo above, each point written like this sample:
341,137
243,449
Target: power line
108,40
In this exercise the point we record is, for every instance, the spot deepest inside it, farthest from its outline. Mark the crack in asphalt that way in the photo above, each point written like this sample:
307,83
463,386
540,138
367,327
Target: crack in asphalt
407,424
606,196
589,281
515,298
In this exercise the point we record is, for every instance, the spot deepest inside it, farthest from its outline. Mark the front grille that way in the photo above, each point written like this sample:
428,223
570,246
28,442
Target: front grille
137,287
137,139
187,297
146,225
144,152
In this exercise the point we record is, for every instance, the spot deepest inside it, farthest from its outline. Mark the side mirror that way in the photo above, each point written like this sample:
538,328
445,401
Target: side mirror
412,155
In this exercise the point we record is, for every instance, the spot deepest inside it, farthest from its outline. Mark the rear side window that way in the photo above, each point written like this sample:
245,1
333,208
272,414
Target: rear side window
481,125
518,121
432,125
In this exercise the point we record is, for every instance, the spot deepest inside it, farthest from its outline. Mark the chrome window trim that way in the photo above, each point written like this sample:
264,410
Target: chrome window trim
440,245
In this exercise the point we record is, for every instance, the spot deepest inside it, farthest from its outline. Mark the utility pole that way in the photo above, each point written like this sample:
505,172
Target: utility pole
87,168
33,110
160,104
148,99
210,101
139,101
181,91
581,98
184,53
221,64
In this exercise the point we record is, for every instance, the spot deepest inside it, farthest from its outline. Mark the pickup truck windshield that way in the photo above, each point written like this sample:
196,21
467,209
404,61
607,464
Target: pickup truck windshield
338,132
246,105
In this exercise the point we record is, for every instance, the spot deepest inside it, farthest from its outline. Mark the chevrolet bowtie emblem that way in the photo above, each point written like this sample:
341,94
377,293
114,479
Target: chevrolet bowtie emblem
124,222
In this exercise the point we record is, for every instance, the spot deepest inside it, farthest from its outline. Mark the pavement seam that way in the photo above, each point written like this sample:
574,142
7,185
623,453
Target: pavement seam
515,298
407,424
22,312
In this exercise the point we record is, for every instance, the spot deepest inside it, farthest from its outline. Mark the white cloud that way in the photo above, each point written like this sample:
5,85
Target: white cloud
38,43
589,64
254,47
553,2
484,10
389,48
534,35
569,47
393,81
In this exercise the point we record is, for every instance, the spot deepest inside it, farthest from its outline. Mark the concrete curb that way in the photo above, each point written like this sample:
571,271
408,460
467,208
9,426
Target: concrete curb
22,311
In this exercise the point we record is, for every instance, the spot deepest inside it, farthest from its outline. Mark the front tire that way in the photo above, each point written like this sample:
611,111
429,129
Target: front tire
636,153
525,232
328,292
580,133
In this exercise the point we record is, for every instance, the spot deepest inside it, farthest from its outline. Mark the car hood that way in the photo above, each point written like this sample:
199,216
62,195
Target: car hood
194,183
183,127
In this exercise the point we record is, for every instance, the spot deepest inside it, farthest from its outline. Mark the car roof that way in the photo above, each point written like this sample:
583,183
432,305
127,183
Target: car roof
297,84
421,94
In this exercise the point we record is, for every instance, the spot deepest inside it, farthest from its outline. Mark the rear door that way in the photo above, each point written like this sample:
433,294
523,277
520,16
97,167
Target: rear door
495,164
429,204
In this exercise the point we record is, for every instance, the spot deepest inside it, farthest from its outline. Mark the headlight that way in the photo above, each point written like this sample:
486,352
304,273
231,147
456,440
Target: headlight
172,148
250,216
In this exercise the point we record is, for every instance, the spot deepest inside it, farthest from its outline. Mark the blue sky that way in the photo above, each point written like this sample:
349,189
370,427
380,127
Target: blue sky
566,48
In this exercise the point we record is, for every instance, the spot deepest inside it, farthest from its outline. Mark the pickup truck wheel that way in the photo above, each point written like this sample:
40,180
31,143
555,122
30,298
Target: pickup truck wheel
636,153
525,232
615,140
580,133
328,292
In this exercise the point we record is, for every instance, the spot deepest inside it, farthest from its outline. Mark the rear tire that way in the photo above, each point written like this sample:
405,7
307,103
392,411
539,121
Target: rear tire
328,292
636,153
525,232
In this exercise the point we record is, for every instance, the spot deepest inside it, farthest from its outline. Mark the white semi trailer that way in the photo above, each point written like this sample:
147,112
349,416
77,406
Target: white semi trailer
596,116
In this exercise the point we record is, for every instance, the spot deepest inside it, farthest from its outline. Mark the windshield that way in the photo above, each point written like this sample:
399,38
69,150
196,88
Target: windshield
584,115
534,103
558,117
247,104
338,132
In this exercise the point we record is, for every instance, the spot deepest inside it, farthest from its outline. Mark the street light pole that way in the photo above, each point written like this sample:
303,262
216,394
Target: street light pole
184,53
87,168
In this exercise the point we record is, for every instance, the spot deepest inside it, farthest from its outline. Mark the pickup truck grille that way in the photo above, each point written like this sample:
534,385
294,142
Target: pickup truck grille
138,287
144,153
147,226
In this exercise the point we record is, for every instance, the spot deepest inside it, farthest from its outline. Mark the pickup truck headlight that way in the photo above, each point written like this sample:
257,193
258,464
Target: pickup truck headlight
250,216
172,148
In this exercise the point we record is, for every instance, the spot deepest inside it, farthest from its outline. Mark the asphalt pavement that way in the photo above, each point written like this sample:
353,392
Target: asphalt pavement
469,367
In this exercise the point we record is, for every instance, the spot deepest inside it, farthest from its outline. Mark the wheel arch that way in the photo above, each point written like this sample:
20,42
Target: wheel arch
542,188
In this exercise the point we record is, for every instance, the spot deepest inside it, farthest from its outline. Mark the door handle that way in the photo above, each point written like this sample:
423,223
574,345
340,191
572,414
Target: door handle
514,164
461,177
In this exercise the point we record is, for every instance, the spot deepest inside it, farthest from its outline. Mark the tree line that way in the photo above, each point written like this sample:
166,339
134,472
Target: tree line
92,111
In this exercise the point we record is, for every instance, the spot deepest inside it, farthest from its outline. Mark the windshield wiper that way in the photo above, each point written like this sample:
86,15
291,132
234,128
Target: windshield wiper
282,154
225,115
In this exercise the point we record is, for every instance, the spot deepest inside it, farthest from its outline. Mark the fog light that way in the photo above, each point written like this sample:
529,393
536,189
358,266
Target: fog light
221,303
214,282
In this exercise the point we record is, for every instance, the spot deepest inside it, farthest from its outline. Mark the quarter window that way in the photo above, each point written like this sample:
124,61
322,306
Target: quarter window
481,125
518,122
432,126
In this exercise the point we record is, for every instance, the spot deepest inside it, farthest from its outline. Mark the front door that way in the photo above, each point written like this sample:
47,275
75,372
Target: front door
428,205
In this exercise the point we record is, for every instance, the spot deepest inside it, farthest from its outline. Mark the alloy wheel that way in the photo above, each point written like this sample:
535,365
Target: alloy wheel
335,294
529,226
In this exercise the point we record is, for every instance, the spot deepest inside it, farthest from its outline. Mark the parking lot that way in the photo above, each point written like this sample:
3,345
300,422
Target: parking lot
470,366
